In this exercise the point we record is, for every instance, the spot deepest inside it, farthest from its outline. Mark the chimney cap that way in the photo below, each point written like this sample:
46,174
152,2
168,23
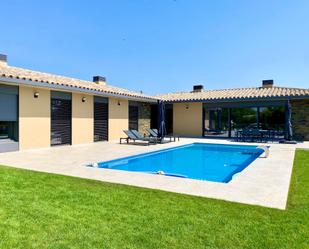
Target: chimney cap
3,58
99,80
267,83
198,88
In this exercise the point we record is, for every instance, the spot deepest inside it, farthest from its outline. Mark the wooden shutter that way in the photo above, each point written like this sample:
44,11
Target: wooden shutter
61,121
100,119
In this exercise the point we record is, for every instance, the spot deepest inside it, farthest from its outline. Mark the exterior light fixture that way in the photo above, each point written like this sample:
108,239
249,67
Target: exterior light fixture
118,102
187,106
84,99
36,95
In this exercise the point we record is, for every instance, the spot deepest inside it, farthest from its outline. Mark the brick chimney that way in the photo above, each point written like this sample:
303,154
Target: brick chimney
267,83
100,80
3,59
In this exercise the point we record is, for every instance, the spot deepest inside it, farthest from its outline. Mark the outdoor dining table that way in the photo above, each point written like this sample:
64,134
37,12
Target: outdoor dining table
253,134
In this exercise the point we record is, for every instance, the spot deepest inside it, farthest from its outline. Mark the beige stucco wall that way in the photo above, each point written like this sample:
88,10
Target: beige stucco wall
118,118
82,119
187,119
34,118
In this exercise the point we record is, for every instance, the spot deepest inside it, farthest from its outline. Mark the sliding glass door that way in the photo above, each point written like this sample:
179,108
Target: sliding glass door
243,118
226,120
272,118
216,122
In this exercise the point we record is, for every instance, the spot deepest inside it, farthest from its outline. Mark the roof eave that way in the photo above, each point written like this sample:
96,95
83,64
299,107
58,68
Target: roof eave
238,99
25,82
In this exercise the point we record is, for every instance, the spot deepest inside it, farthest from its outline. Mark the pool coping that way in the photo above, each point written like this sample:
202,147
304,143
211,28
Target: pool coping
229,177
259,184
245,188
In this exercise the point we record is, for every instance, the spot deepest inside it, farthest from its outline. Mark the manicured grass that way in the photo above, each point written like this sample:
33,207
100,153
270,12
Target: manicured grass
39,210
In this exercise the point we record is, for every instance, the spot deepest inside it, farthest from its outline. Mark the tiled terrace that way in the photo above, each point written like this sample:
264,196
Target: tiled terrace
265,182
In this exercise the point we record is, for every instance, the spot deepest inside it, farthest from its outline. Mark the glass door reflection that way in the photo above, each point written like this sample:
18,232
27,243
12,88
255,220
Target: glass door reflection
216,122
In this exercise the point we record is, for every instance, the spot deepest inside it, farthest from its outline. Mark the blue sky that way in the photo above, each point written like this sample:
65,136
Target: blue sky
160,46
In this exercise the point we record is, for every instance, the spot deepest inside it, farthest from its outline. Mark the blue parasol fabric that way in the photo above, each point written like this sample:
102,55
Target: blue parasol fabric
289,128
162,126
219,113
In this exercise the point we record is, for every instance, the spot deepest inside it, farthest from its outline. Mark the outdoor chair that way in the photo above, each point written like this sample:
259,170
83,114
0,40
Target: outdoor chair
132,137
253,135
171,137
238,135
272,135
153,133
247,135
243,135
256,135
142,137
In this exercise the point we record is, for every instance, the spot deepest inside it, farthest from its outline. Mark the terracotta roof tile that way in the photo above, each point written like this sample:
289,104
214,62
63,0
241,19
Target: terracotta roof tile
211,95
236,94
52,79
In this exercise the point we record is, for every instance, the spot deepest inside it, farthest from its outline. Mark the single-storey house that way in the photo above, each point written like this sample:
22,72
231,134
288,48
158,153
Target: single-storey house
38,110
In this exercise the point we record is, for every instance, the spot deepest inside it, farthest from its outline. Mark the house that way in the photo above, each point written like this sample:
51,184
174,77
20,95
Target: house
220,113
38,110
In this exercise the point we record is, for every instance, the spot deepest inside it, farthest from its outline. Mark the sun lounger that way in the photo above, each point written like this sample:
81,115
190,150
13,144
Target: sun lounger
155,133
131,136
141,137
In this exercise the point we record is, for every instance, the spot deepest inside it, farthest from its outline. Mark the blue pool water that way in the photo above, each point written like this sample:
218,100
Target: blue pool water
211,162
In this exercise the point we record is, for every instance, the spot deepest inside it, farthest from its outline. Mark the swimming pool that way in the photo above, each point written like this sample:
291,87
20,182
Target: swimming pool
210,162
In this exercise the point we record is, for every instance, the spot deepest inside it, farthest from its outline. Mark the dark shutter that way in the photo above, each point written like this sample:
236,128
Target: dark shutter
169,118
61,119
133,117
100,120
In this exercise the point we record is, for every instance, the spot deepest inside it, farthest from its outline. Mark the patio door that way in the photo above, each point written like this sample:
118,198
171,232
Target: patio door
216,122
8,118
61,118
226,119
133,117
100,119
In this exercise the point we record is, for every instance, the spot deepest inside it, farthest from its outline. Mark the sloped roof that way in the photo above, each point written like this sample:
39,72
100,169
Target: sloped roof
52,79
237,94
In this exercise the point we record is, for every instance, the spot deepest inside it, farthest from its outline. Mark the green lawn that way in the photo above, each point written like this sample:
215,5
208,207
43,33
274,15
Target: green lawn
39,210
